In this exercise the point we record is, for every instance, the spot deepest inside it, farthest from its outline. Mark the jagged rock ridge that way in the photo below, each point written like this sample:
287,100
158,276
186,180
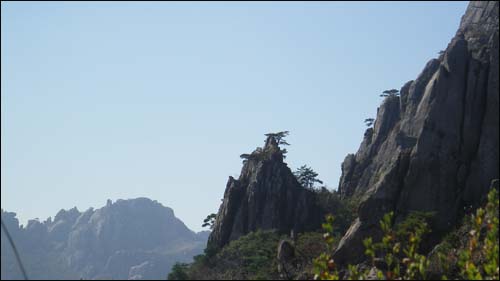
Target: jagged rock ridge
265,196
129,239
434,148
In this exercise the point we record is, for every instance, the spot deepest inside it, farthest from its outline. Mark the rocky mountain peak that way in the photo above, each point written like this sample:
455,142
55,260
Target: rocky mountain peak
265,196
478,23
271,143
134,238
434,148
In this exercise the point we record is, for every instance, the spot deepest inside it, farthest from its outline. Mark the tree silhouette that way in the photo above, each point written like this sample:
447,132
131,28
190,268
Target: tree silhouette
284,152
245,156
369,122
279,137
209,221
258,154
307,177
390,93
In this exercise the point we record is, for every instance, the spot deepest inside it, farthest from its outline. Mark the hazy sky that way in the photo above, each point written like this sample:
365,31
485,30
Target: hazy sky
158,100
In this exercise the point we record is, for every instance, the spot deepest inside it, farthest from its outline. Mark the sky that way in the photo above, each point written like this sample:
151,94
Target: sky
158,99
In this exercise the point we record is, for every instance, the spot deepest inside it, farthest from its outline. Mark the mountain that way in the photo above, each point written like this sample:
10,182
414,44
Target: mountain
128,239
265,196
435,147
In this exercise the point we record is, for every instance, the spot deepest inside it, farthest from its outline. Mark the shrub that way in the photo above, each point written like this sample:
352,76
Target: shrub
479,259
401,258
344,210
178,272
324,266
397,255
252,256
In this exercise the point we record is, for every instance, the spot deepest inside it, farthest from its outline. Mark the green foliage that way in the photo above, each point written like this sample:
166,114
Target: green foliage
369,122
471,250
479,260
210,250
309,245
283,152
279,137
324,266
245,156
257,155
415,222
398,248
307,177
178,272
260,154
205,259
209,221
344,209
390,93
397,257
252,256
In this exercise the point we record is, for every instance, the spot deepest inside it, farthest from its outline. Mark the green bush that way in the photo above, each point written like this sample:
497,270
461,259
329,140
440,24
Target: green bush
309,245
178,272
397,257
252,256
344,209
479,259
400,257
324,266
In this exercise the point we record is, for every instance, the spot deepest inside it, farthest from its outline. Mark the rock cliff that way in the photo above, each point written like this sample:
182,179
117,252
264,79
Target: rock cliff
265,196
434,147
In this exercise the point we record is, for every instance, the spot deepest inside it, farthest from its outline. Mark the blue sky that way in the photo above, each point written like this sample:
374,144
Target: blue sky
156,99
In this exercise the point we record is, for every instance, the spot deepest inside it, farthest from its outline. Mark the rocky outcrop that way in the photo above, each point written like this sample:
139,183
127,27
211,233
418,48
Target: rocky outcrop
265,196
435,147
285,258
137,239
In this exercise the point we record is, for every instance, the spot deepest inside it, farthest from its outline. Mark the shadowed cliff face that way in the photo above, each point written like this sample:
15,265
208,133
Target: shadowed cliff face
434,148
265,196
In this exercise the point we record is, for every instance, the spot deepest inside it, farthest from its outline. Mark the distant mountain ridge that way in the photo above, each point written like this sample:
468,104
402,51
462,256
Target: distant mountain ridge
128,239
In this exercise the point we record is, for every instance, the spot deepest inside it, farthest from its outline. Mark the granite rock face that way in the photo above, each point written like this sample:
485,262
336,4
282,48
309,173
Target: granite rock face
286,258
435,147
135,239
265,196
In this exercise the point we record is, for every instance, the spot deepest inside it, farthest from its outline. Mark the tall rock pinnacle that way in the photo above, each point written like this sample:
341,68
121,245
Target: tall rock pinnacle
265,196
434,148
